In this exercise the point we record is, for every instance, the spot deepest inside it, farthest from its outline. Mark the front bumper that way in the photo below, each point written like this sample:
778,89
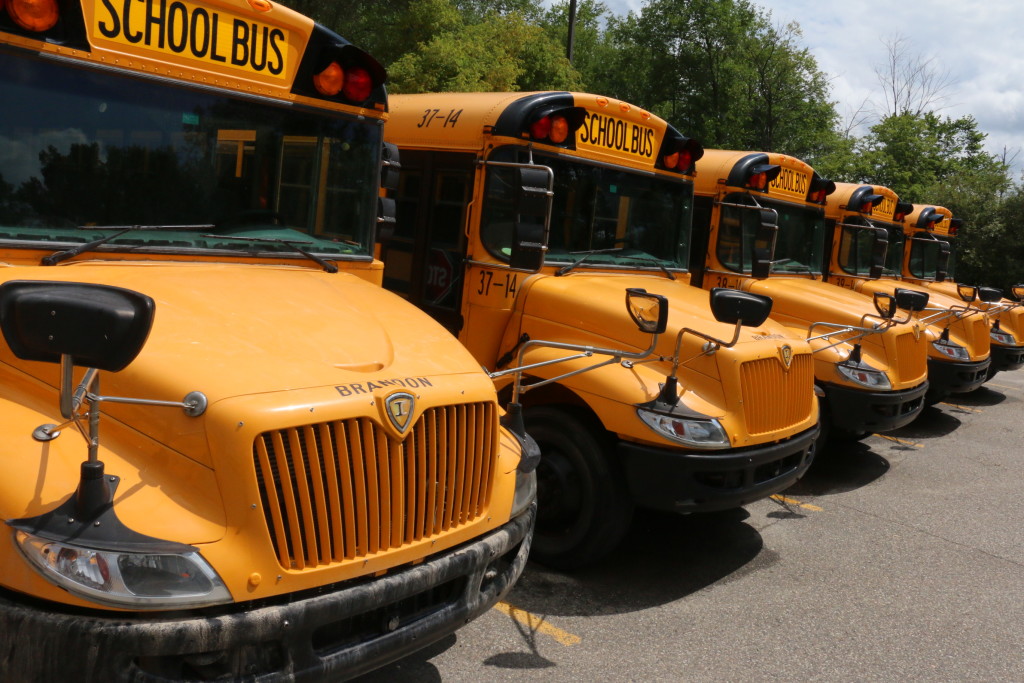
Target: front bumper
1006,358
854,410
331,636
955,378
688,481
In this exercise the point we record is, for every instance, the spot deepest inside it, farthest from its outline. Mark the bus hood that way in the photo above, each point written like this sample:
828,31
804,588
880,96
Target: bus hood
805,301
217,331
591,309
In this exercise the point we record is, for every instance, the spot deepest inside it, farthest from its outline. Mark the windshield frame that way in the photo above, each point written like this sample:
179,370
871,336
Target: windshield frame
676,211
736,203
338,188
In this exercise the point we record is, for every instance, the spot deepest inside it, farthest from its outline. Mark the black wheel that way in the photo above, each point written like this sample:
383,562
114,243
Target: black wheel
583,508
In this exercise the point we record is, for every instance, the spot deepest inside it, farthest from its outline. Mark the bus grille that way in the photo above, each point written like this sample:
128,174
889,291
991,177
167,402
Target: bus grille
335,491
911,356
773,398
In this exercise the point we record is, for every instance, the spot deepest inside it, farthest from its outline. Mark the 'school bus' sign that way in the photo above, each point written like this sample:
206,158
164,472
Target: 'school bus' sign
791,181
605,134
195,33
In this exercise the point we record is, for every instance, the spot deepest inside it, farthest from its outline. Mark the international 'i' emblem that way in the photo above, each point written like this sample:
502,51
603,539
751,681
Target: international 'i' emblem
399,409
786,353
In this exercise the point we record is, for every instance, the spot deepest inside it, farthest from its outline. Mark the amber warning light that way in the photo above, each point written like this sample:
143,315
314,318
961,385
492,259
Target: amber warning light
33,15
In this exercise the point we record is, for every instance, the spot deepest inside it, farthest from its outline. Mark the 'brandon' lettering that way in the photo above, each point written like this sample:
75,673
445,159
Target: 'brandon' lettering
194,31
369,387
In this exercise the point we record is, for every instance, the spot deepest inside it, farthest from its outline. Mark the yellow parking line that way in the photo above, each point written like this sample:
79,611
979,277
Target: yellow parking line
1001,386
793,501
960,407
537,624
903,442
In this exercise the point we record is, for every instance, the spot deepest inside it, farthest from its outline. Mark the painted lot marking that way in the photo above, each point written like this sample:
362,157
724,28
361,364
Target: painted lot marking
537,624
793,501
960,407
1001,386
902,442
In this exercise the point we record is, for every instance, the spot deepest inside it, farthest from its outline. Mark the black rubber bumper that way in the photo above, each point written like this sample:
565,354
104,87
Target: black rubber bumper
955,378
856,411
1007,358
332,636
685,481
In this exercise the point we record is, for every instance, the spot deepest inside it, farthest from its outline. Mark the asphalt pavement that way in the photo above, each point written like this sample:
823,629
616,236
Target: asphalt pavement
897,558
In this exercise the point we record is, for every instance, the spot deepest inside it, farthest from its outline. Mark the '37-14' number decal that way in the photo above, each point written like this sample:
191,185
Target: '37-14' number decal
432,116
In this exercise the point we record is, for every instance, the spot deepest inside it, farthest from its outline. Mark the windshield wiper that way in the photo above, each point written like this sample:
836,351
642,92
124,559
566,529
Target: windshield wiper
653,260
56,257
323,263
586,254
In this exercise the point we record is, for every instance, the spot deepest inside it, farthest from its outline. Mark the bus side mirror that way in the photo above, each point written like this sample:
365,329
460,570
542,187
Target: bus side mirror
878,252
911,300
533,214
764,244
648,311
387,216
990,295
885,304
96,326
732,306
967,292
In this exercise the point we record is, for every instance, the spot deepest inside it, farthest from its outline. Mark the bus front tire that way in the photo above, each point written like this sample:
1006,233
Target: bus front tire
583,509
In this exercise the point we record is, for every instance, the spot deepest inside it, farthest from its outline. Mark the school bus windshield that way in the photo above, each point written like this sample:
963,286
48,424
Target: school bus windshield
85,148
926,255
799,242
613,216
894,254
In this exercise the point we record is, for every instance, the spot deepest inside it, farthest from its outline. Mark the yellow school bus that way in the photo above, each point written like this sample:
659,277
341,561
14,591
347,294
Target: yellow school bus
938,274
761,224
959,337
229,453
523,220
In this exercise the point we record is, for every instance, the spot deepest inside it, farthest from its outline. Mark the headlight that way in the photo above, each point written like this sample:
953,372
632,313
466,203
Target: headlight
526,491
122,579
697,433
1004,338
865,375
951,350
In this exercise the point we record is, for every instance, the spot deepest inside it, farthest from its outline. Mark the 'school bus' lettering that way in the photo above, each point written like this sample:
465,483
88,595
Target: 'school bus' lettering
604,133
886,207
792,182
194,32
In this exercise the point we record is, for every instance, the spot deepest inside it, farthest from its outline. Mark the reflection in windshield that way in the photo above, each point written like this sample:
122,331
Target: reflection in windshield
613,216
894,255
82,148
799,241
856,243
925,256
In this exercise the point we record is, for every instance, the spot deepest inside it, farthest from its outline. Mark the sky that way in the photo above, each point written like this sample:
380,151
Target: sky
975,42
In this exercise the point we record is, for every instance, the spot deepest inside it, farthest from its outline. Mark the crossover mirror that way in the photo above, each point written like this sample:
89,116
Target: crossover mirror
648,311
885,304
967,292
990,295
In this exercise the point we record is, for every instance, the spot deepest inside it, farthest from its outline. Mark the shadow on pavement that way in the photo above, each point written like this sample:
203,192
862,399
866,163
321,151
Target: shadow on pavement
930,424
663,558
841,466
983,396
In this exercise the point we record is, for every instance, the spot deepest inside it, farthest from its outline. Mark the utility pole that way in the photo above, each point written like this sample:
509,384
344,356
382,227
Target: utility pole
572,30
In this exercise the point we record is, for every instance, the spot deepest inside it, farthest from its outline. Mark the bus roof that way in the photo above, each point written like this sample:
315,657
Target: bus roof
720,168
851,197
923,215
609,129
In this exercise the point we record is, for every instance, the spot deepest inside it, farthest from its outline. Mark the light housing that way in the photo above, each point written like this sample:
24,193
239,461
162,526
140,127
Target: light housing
863,374
136,580
999,336
951,350
525,493
702,433
33,15
555,125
